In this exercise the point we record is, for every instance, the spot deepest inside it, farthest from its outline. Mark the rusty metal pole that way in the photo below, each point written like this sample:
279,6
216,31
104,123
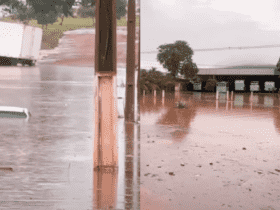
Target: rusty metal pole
130,63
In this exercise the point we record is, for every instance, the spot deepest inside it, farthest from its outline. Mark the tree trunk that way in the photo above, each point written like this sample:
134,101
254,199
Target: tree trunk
62,18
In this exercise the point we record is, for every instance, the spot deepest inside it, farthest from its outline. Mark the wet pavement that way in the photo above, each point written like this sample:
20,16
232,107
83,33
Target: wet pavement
213,154
46,162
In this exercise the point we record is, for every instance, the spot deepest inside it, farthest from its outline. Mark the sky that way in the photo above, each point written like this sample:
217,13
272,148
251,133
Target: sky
212,24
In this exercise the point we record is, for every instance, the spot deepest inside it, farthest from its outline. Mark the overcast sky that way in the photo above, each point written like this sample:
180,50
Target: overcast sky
213,24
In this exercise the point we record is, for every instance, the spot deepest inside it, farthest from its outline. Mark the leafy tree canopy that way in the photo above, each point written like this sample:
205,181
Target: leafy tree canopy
45,12
120,6
177,58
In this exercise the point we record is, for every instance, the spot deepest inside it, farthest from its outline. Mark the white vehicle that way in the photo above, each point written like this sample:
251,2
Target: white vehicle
19,44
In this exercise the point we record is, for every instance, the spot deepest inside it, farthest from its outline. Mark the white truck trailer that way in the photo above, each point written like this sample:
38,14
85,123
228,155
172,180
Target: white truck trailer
19,43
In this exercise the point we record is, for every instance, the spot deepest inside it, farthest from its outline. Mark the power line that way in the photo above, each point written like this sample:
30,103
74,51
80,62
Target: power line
226,48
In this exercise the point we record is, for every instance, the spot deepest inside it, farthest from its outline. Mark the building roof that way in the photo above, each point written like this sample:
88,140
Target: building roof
240,70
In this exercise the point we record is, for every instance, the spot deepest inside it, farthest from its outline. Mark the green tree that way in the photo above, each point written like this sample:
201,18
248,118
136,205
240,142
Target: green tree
85,12
19,10
45,12
177,58
120,6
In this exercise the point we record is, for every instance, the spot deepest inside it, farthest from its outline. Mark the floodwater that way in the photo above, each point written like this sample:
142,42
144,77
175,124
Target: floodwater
215,154
46,161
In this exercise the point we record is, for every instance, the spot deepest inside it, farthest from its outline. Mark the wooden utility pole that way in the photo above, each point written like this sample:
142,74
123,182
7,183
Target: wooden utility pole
105,142
130,63
139,69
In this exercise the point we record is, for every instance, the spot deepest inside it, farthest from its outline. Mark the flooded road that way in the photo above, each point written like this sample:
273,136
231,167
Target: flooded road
51,153
213,154
46,162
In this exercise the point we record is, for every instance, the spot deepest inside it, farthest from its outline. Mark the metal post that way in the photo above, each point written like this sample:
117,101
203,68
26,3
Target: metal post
143,92
130,63
231,95
155,93
163,93
251,96
217,94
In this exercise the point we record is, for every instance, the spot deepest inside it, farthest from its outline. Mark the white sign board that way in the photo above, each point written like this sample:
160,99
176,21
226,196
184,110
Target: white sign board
197,86
269,85
239,85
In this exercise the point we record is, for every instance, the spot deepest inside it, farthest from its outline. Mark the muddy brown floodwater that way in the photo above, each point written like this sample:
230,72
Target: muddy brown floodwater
46,161
213,154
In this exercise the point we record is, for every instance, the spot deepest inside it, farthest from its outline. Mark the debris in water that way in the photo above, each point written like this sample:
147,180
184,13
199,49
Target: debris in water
182,164
146,174
244,148
211,164
6,168
277,170
171,174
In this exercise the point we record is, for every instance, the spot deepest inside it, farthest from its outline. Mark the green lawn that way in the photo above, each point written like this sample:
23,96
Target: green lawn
54,32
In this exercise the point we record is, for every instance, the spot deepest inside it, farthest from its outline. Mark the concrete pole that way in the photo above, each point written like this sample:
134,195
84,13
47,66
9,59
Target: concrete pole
155,93
227,95
144,93
231,95
217,105
251,96
105,141
227,105
105,156
217,94
163,93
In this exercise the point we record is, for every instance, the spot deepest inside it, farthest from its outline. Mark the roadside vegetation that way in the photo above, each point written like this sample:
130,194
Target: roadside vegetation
56,20
54,32
151,80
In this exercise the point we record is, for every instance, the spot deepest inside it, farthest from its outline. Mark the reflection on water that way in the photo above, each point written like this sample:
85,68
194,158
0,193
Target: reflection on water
268,101
239,100
200,106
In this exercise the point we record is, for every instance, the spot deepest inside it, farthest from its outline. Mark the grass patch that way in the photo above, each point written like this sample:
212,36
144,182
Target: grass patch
54,32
